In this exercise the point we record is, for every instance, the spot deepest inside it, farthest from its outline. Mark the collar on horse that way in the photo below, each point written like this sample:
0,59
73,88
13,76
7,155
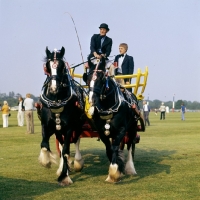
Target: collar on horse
118,101
108,113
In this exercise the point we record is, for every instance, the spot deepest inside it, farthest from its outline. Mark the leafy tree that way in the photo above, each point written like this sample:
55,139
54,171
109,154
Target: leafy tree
18,95
178,104
11,94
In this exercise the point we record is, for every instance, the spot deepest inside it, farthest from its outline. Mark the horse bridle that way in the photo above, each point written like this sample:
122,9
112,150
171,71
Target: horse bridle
50,77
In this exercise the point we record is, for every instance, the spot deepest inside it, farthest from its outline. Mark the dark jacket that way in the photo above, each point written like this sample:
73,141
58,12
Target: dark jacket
127,65
95,45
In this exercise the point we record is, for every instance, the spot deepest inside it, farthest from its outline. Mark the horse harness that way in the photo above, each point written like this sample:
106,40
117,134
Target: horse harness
57,107
119,98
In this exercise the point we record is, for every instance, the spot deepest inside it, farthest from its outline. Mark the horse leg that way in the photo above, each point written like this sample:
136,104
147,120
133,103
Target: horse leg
133,149
107,144
64,178
46,157
129,167
59,170
78,161
116,167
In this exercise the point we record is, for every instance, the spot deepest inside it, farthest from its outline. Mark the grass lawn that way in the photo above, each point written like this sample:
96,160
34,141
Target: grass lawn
167,161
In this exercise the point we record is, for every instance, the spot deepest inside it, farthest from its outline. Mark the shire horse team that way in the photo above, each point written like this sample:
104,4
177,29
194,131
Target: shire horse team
114,114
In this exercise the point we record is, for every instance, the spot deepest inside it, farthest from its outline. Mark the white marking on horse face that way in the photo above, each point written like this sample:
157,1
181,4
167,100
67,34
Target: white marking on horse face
91,83
90,97
53,72
91,92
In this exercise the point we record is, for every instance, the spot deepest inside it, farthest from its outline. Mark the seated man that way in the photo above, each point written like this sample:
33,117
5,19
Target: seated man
100,45
125,63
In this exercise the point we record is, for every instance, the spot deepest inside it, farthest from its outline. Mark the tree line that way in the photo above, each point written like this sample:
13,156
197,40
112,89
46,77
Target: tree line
195,105
12,100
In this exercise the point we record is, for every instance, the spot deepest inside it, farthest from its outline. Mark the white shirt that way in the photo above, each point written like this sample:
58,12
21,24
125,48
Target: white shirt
102,40
162,108
145,107
120,61
28,104
20,106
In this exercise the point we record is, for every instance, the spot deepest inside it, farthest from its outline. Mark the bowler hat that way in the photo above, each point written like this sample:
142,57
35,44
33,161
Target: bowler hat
104,26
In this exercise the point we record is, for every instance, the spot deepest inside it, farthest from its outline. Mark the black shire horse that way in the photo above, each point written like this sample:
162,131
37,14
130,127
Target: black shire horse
114,114
61,112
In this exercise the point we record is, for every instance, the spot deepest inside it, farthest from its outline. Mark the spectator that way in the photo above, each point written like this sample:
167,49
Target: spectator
20,114
29,104
146,111
156,111
183,110
5,113
162,111
167,109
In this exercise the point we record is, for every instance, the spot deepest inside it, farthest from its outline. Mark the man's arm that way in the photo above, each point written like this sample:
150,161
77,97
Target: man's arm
109,48
131,65
130,69
92,44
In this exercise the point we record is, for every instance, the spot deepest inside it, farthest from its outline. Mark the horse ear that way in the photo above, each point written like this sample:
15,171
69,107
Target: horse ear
48,53
62,52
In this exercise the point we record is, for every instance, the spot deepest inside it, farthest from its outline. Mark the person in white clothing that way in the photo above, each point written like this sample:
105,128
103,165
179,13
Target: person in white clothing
162,111
29,105
146,111
20,114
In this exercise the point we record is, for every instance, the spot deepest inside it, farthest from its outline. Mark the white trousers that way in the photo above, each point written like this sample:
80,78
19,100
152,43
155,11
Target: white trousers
20,118
5,120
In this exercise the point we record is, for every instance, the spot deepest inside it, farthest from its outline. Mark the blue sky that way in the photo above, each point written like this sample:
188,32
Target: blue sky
162,34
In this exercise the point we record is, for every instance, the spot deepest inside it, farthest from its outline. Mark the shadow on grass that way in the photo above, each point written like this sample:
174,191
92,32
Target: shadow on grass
23,189
147,163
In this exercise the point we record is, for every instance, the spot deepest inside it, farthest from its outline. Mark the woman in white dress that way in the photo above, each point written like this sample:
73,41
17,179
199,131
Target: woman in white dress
20,114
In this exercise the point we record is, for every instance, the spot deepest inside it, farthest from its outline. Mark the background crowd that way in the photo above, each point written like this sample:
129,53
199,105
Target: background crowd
25,111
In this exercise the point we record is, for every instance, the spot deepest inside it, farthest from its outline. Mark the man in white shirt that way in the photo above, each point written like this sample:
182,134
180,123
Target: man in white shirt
29,105
146,110
162,111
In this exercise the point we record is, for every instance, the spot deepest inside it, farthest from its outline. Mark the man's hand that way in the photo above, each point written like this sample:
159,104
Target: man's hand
127,83
96,55
86,65
103,55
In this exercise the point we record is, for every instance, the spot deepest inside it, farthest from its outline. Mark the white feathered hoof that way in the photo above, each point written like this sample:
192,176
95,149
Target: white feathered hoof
114,174
44,158
110,180
53,158
130,169
78,165
66,181
60,167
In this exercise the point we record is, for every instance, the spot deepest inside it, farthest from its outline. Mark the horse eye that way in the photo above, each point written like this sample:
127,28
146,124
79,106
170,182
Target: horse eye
64,85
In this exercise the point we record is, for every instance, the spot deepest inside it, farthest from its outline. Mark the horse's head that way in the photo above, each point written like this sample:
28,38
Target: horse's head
55,69
97,80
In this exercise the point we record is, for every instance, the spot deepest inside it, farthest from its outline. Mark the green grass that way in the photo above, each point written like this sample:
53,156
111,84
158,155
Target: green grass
167,161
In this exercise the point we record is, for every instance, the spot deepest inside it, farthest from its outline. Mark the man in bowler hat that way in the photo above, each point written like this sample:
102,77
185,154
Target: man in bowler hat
125,63
100,45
